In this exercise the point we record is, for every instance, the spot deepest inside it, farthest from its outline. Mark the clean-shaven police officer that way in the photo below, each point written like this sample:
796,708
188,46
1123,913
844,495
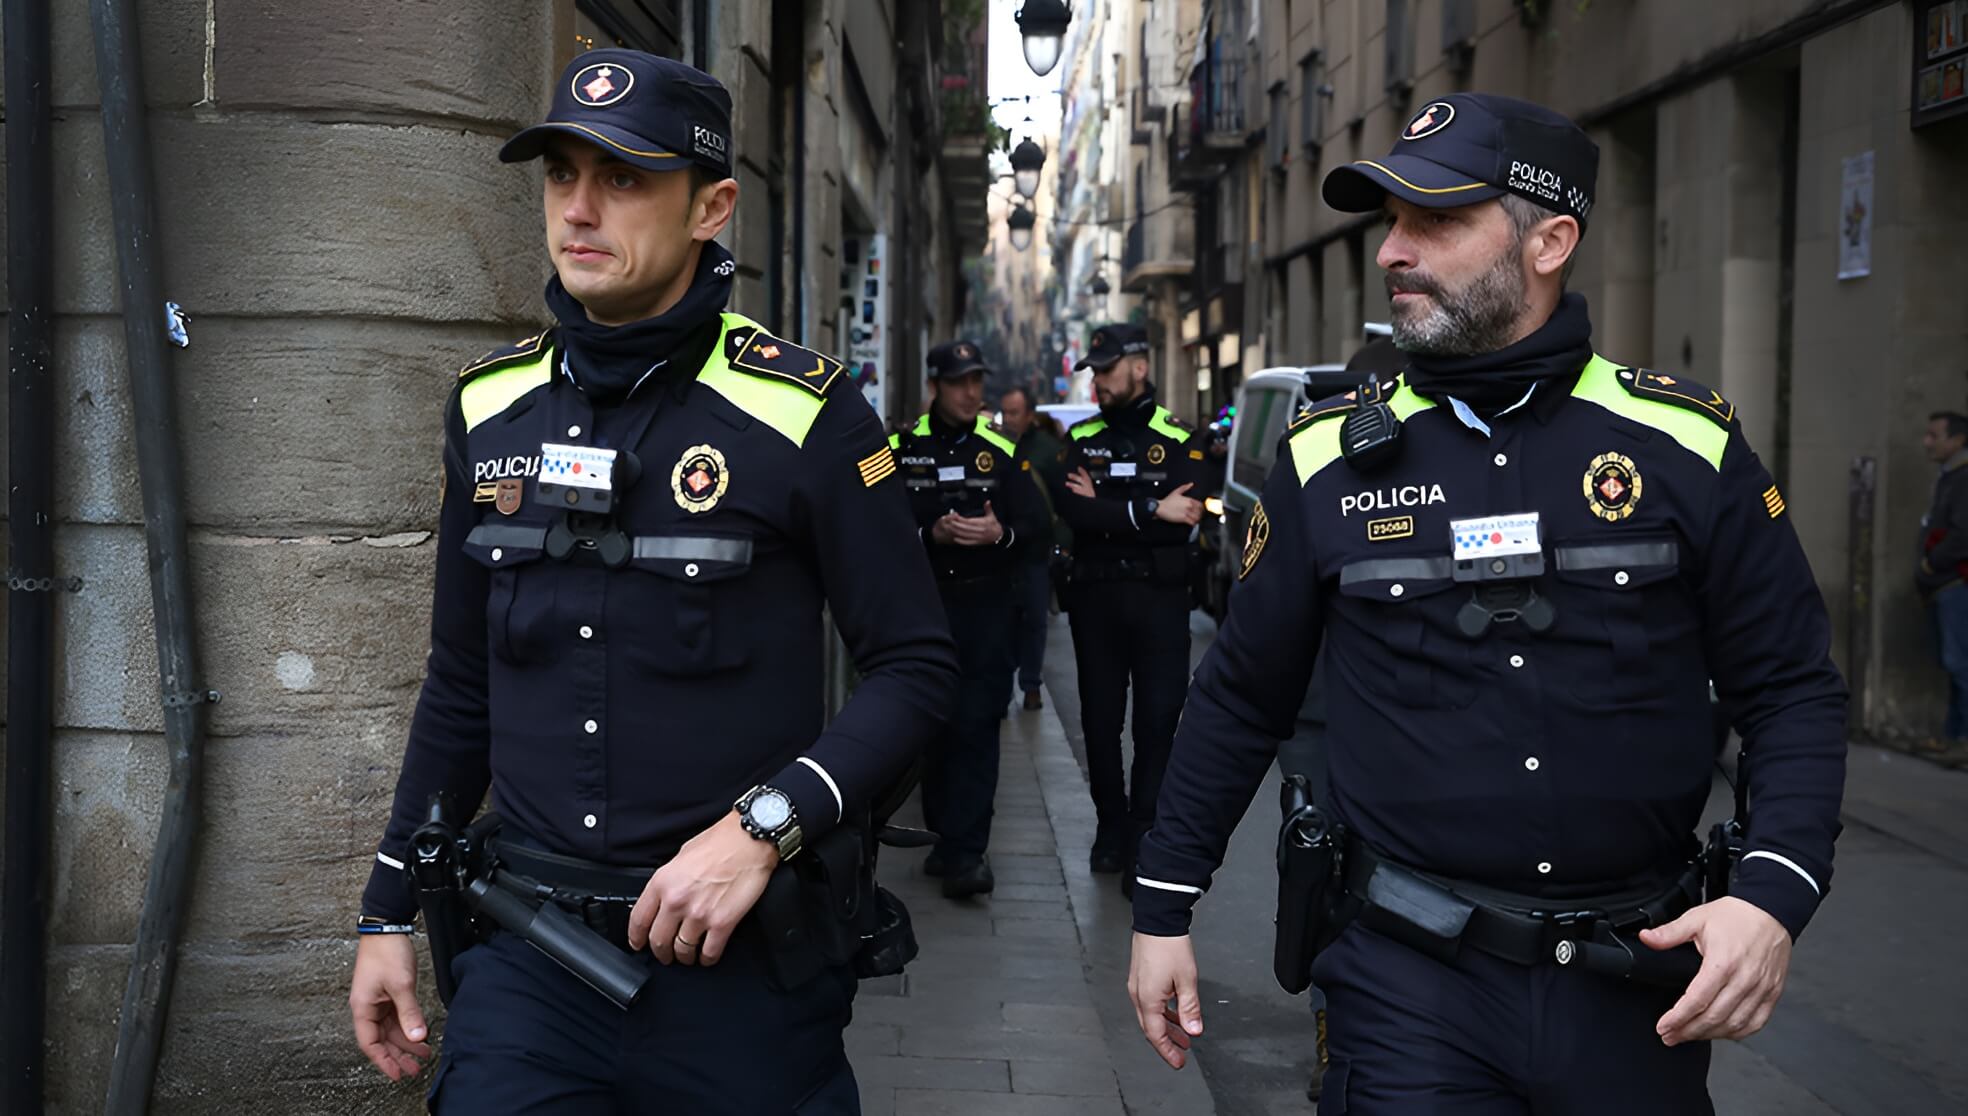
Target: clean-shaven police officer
1526,562
974,504
642,690
1130,472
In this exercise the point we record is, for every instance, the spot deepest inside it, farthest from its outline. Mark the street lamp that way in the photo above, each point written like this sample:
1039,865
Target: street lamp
1020,223
1043,23
1099,286
1027,159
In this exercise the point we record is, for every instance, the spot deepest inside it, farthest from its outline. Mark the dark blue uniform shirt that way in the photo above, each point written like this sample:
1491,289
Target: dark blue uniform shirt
615,713
1563,763
950,470
1137,453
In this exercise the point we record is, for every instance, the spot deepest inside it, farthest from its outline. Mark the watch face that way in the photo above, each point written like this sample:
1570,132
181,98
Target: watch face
770,810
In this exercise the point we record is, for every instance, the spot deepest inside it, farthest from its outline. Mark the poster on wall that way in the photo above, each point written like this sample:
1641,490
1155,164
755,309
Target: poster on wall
1855,219
867,325
1940,60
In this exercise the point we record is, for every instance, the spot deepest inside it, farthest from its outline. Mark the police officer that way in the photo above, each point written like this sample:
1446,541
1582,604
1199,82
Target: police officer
639,681
1526,560
1127,497
975,504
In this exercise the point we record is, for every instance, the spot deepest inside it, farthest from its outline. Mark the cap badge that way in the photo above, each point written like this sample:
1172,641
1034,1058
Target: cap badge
1431,120
601,85
964,352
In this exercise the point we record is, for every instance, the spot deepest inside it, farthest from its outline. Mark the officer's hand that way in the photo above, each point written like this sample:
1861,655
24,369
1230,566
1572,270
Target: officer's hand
983,530
389,1026
1161,968
1079,483
691,905
944,530
1179,507
1745,957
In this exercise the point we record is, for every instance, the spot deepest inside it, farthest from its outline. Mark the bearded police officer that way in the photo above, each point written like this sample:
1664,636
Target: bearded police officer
974,503
645,508
1128,498
1527,561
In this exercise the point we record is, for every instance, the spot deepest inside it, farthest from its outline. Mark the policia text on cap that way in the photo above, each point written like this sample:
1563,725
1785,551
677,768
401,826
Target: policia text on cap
645,508
1518,661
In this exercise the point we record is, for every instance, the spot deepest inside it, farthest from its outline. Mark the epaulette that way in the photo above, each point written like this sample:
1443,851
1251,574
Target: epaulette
1642,383
1311,413
761,354
523,349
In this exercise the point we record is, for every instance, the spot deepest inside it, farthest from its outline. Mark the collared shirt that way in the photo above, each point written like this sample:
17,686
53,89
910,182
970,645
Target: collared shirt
1560,763
946,469
1138,453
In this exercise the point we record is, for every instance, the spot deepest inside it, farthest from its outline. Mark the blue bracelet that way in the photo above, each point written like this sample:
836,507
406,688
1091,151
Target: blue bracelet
378,926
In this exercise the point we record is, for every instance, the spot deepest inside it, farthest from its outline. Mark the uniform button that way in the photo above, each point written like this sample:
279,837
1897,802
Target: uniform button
1620,578
573,432
1544,867
1517,661
589,821
690,569
1501,460
1531,763
592,728
1397,590
497,554
587,632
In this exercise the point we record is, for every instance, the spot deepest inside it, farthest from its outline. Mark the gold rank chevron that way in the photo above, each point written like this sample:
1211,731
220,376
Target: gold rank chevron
1773,501
876,467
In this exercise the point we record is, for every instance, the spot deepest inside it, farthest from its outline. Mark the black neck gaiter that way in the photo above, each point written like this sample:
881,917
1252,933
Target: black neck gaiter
1491,382
609,361
1135,412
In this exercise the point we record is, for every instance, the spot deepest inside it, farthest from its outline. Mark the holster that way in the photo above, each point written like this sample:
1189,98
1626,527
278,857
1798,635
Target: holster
823,910
1310,894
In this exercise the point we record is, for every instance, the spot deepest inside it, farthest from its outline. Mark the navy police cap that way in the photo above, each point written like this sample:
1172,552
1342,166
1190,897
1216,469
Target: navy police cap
1471,147
1110,343
955,359
646,110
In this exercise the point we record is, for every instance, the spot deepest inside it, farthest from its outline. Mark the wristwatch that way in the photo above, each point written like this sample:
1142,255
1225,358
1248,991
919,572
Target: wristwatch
1150,503
767,813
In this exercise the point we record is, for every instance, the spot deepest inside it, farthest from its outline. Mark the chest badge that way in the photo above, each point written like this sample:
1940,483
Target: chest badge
699,479
1157,454
508,494
1612,486
985,463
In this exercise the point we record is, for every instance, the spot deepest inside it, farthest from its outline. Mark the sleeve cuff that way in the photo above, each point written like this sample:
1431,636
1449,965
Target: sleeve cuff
1162,910
388,893
1779,887
815,794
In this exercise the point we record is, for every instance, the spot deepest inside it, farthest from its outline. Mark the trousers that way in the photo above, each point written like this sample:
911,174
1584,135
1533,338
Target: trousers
960,772
1129,633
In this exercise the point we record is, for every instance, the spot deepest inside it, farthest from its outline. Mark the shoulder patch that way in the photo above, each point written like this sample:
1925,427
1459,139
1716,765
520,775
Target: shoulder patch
523,349
762,354
1337,405
1663,388
1087,427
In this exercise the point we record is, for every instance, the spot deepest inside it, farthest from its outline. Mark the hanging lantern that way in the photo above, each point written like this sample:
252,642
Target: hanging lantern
1021,222
1027,160
1043,23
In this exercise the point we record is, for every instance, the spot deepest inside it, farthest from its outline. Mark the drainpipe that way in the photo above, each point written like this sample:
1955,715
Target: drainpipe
147,322
30,545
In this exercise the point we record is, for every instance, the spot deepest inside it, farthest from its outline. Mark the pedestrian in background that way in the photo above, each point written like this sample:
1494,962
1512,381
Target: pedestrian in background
1032,600
1943,565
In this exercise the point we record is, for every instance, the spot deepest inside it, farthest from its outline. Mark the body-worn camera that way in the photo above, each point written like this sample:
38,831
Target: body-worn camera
1501,556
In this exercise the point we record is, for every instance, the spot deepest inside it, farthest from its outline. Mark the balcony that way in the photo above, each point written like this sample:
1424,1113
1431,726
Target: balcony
1222,105
1159,246
1193,164
966,162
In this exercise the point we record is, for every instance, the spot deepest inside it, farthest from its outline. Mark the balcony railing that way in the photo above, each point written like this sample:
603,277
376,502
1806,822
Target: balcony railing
1136,248
1222,114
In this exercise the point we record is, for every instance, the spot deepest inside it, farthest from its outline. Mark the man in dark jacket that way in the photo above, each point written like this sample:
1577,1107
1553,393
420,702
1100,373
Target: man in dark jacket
1033,597
1943,564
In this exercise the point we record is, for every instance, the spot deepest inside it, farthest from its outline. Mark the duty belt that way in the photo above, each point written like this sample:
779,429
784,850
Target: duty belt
1523,929
601,895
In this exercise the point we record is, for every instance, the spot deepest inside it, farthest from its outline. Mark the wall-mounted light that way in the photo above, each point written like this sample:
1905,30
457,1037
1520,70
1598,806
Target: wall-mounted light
1020,222
1043,23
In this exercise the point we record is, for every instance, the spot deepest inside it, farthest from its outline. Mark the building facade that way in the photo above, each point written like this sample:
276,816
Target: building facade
334,220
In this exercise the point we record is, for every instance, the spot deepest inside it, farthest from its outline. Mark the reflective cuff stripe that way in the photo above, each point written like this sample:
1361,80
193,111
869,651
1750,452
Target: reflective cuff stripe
1786,862
827,779
1131,519
1159,885
390,860
1009,537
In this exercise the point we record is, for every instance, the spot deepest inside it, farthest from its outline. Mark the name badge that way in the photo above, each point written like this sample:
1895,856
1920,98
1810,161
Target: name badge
950,473
1121,469
577,466
1496,536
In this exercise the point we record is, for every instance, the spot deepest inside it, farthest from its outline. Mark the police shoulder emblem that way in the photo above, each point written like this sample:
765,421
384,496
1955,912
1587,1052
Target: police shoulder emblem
1156,454
1680,392
762,354
1256,533
699,479
1612,486
602,84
